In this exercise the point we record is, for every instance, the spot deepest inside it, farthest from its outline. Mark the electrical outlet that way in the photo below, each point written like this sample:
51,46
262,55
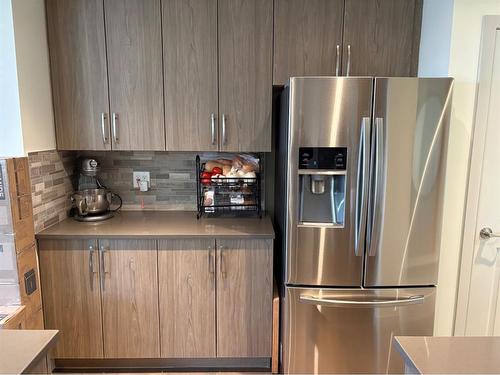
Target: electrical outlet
141,176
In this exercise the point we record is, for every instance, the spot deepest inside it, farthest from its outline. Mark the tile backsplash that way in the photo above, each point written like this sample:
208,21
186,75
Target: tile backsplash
51,174
173,178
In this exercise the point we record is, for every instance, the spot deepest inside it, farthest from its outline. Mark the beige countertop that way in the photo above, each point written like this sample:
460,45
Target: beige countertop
12,316
22,348
450,355
161,224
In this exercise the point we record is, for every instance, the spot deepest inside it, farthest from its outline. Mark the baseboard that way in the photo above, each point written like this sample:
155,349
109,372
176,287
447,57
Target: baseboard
162,364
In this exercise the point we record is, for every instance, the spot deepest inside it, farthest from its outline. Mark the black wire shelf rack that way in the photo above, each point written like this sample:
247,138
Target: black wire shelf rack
227,196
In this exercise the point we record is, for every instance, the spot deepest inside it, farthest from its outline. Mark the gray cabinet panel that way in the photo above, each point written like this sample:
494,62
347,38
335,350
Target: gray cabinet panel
383,37
79,76
306,36
190,74
133,36
245,31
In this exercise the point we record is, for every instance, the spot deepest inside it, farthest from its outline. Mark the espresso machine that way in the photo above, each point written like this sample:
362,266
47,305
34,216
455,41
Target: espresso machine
92,201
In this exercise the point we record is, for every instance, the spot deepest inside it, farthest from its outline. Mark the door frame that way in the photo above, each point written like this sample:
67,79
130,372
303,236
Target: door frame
475,169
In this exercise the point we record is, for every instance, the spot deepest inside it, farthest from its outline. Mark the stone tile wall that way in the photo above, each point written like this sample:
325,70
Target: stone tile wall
51,174
173,177
173,180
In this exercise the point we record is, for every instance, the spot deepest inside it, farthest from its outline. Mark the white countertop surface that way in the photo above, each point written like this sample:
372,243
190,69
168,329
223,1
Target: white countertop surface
450,355
21,348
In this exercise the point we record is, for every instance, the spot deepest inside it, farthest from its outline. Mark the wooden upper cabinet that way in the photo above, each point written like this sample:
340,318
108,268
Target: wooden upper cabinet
244,298
245,29
130,298
134,48
69,271
190,74
383,37
187,293
307,38
79,75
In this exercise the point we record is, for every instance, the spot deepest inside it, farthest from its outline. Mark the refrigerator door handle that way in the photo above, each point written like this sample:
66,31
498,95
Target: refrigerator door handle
378,188
339,302
362,185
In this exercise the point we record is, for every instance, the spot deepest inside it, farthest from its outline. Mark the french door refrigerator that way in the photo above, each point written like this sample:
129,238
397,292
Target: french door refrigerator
360,178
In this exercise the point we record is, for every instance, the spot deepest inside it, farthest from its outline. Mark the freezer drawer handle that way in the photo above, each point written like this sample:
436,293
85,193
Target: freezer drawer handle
352,303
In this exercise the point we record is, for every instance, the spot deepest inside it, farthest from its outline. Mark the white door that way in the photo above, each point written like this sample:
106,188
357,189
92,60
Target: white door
478,304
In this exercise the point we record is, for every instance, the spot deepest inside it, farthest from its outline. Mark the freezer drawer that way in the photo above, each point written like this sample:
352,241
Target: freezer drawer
351,330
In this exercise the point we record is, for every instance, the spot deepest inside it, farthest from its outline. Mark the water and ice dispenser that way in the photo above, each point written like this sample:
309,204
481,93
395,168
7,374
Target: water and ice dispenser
322,186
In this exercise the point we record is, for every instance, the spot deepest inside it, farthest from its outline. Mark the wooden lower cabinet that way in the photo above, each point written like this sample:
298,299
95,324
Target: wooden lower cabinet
130,298
172,298
69,272
187,294
244,298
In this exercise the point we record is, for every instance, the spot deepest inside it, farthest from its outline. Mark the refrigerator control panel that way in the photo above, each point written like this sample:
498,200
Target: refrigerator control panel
323,158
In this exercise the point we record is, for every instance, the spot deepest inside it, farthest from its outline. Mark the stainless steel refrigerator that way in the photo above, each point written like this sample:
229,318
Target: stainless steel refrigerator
361,166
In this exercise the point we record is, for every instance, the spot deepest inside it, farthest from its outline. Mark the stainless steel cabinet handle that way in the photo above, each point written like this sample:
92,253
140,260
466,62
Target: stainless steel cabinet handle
337,63
348,69
104,120
222,262
115,127
487,233
362,185
224,138
378,187
104,250
92,270
339,302
211,268
212,124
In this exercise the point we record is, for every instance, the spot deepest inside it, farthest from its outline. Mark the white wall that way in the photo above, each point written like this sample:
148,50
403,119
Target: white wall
435,39
33,72
11,141
463,65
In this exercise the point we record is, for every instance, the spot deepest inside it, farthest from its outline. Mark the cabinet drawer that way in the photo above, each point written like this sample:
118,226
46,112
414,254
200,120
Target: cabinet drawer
29,280
18,175
34,321
24,234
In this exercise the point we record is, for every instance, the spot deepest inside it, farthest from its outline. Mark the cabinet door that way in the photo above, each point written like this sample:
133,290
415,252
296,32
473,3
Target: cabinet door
187,298
78,70
244,298
190,74
383,37
69,273
133,36
307,38
130,298
245,74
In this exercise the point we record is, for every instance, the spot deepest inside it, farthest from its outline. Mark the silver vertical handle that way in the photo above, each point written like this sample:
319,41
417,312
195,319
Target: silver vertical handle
222,262
114,120
337,63
362,185
211,269
104,118
212,124
224,138
91,266
378,189
104,271
348,69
